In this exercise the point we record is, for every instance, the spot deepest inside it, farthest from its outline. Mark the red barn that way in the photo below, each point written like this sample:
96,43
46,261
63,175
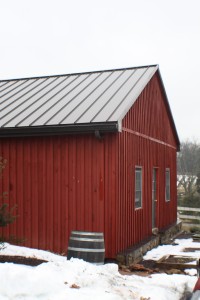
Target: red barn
93,151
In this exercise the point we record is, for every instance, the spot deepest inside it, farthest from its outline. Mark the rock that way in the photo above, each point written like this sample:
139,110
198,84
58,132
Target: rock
174,271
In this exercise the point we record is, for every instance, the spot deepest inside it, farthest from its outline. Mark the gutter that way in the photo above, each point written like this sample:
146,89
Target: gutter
51,130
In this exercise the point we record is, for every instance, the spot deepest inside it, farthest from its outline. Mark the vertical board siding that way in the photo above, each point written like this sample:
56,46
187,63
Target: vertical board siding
149,114
61,184
147,140
110,193
136,225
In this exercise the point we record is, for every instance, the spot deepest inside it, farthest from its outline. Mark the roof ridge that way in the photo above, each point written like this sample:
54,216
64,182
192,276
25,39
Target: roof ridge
78,73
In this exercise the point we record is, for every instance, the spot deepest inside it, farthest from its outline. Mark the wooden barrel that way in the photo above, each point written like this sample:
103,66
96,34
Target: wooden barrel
88,246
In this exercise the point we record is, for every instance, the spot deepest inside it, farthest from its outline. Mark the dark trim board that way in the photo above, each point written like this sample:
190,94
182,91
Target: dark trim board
58,129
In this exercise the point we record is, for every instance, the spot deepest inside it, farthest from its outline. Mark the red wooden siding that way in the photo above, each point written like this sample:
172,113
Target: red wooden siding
61,184
149,114
147,140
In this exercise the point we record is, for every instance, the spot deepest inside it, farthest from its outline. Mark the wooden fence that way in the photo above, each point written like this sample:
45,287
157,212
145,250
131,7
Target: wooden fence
188,215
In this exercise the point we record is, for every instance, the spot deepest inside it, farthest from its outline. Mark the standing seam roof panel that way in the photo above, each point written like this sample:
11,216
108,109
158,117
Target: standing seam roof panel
42,105
72,109
16,86
136,89
93,97
7,86
22,97
56,103
17,90
37,99
107,95
71,97
23,103
116,97
2,84
73,105
88,112
13,99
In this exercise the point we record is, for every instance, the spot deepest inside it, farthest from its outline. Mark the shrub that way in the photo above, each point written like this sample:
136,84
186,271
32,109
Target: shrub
6,215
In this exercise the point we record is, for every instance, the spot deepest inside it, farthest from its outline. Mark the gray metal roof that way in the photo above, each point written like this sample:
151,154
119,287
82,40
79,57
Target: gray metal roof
74,99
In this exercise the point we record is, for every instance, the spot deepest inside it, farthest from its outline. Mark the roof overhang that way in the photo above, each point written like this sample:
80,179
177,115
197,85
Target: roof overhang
51,130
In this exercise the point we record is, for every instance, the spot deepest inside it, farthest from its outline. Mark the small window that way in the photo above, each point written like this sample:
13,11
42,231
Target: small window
167,185
138,187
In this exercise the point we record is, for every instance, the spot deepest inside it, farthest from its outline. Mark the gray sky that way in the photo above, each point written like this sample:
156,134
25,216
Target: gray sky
51,37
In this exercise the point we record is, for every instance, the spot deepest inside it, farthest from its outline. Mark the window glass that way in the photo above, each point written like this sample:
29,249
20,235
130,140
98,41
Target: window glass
167,185
138,187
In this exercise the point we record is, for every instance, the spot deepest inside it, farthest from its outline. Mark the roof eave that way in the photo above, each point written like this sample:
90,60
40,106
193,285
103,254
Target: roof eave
51,130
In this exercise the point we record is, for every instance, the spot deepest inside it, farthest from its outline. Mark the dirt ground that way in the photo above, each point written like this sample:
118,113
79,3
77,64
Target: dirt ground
147,268
30,261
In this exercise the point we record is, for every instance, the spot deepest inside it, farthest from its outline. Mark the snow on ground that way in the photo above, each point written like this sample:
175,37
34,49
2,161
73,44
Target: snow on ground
62,279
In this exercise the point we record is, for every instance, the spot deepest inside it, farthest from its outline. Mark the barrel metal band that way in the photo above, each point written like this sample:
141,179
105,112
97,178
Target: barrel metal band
86,249
87,233
86,240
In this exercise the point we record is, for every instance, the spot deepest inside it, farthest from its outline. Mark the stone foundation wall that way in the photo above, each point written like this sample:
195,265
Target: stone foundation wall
135,254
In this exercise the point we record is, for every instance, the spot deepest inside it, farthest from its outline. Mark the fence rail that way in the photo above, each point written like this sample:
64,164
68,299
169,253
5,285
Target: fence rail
186,215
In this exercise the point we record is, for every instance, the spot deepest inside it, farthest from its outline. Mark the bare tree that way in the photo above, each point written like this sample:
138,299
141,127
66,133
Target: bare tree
188,166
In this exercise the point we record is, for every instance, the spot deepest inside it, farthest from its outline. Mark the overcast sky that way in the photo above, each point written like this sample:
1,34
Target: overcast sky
52,37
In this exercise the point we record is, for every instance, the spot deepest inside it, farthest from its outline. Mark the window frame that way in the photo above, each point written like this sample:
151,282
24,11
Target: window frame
138,168
167,185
